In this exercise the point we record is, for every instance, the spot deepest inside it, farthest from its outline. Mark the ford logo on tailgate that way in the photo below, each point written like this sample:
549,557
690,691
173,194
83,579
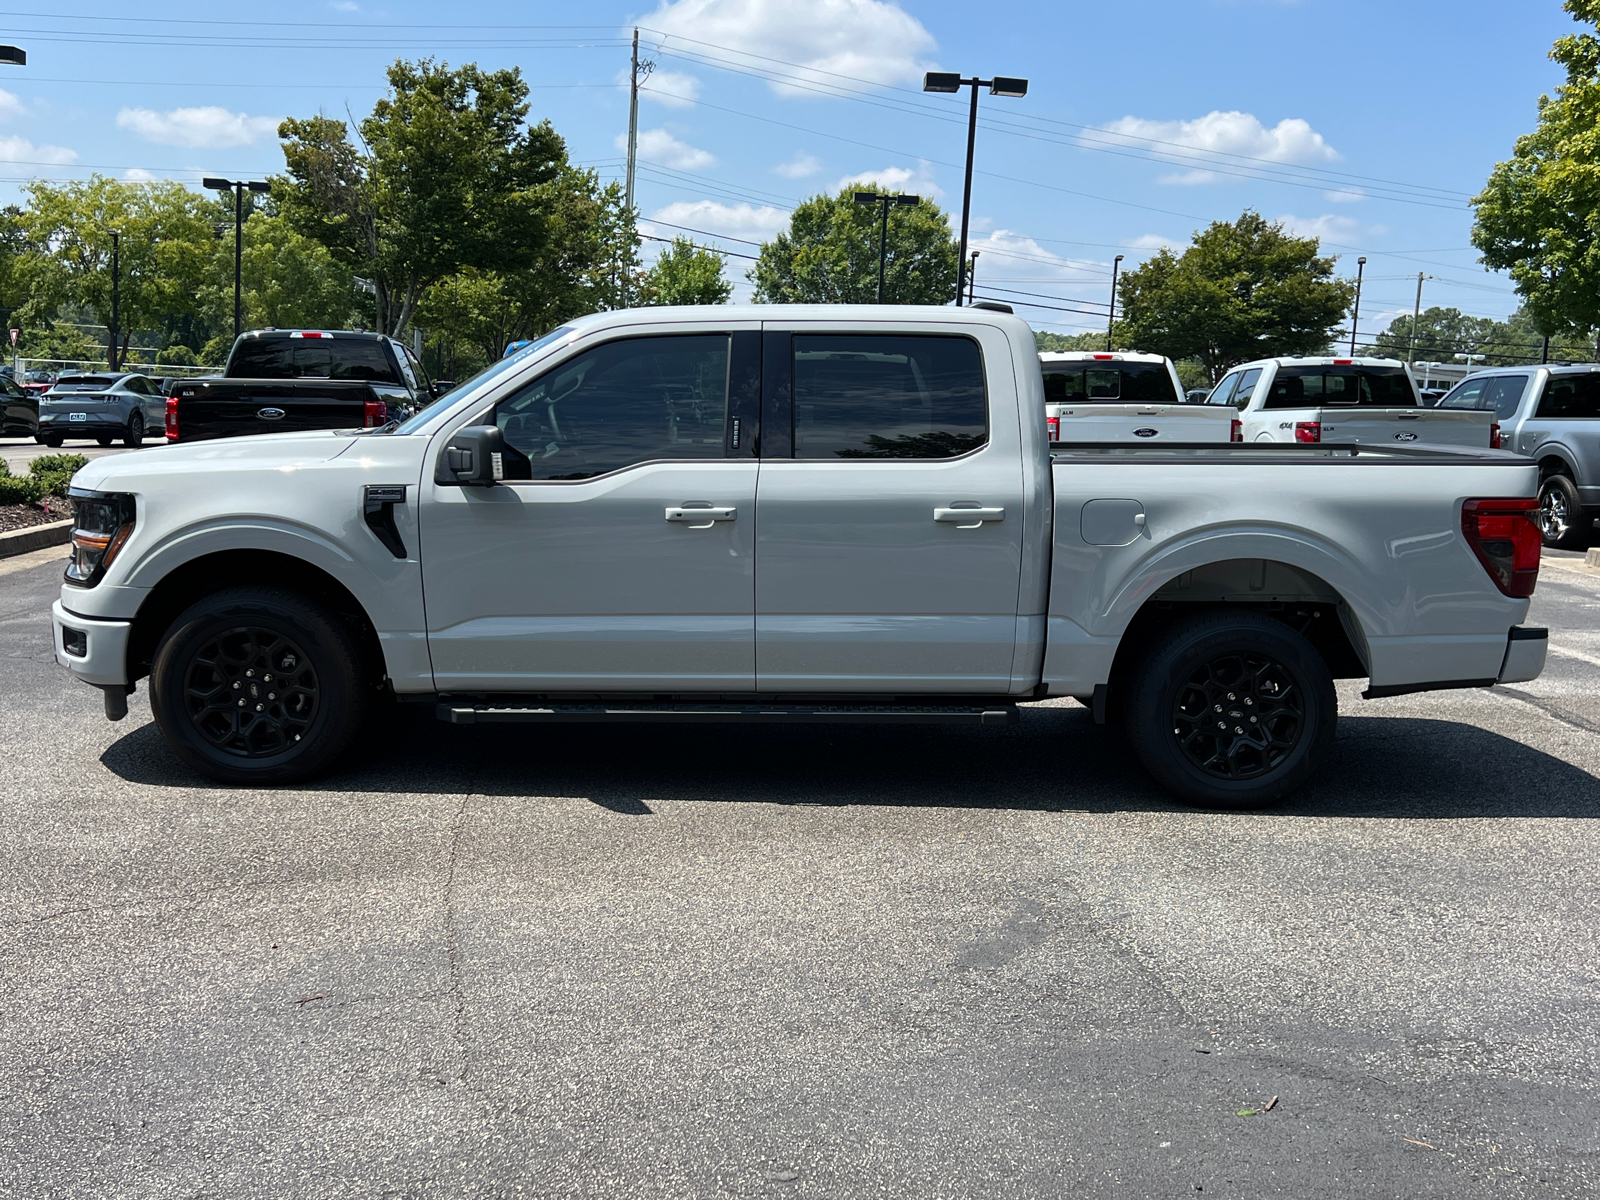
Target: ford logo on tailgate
1407,436
1145,432
270,414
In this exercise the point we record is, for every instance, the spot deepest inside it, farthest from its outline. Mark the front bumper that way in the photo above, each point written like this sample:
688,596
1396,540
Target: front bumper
94,650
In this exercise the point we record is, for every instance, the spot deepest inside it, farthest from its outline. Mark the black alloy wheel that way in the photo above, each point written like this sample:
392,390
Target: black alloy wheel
1239,716
260,685
1230,708
251,692
135,432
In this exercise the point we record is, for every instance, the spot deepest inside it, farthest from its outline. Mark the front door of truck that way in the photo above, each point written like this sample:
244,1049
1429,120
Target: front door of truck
617,554
889,516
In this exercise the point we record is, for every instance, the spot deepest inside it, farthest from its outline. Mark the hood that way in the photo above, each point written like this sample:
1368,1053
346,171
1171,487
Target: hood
281,452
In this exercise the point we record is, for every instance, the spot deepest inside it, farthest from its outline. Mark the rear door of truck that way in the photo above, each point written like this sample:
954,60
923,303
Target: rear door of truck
889,509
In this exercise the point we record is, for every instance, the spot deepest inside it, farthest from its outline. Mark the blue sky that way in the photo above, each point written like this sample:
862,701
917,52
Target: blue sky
1369,124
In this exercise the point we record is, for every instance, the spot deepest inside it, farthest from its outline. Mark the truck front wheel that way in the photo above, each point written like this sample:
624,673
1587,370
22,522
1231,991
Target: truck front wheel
1231,710
258,685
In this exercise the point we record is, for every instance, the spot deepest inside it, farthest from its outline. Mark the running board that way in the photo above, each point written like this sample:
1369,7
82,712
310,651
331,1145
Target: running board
490,714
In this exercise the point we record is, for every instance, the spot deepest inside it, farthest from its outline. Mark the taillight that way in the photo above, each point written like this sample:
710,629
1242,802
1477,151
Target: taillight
1308,431
1236,431
172,418
1054,425
1494,435
375,413
1504,534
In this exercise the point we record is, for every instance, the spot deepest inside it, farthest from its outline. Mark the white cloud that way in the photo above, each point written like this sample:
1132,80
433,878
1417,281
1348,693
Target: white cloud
730,220
866,39
897,179
138,175
1349,195
347,6
672,88
659,146
1152,242
209,128
1290,141
801,166
21,150
1327,226
10,106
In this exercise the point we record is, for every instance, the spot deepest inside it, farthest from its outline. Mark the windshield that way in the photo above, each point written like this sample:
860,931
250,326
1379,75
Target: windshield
493,371
1364,387
1109,383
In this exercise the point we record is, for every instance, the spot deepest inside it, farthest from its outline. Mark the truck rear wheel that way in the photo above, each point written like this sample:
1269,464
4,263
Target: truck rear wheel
1231,710
258,686
1562,521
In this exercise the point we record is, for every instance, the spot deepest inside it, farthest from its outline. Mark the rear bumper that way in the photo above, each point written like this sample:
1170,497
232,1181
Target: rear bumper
103,644
93,427
1523,660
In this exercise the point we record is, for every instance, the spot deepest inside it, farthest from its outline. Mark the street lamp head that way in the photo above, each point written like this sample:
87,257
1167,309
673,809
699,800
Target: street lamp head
14,56
941,81
256,185
1004,86
214,184
907,201
1116,260
1362,261
866,197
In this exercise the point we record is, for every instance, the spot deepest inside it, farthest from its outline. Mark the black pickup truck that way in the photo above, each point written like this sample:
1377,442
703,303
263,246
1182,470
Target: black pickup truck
285,380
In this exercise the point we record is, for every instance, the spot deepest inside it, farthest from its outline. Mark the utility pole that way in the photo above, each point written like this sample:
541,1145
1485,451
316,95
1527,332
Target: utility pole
1111,321
116,280
972,277
1355,316
237,187
1416,315
635,78
1544,355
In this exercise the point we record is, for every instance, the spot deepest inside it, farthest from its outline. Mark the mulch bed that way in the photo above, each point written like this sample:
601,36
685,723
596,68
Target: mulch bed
26,516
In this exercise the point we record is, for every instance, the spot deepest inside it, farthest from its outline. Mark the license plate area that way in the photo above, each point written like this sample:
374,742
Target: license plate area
77,416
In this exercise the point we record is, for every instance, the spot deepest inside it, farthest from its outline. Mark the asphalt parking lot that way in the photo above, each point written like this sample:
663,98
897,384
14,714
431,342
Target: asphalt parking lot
715,962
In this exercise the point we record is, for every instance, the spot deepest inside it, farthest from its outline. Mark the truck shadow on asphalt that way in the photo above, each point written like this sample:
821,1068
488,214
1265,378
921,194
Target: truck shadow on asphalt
1055,760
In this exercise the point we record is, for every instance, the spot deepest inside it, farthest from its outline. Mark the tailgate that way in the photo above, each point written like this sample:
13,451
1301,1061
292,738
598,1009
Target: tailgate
1141,422
1407,426
235,408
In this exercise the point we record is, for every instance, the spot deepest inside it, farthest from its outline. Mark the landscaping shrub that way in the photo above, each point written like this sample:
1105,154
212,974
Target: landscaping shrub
53,472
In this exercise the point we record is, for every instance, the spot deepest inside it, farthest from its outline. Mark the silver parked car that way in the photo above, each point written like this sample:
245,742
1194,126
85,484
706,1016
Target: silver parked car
1552,414
102,407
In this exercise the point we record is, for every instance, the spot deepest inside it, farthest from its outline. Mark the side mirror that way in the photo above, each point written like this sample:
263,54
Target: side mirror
441,387
472,457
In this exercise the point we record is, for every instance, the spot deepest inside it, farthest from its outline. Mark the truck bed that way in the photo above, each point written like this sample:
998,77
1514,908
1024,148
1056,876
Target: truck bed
1111,422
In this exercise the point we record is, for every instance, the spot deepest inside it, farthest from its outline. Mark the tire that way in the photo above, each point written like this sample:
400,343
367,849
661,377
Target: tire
103,439
237,644
53,440
134,434
1235,667
1562,522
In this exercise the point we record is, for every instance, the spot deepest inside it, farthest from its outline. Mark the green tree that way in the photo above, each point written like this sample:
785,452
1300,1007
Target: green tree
166,239
685,274
1243,289
1049,343
448,177
829,255
1442,333
1538,216
289,281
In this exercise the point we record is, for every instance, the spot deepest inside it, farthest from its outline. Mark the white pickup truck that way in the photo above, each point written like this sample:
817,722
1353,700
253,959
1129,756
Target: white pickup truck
774,514
1372,401
1119,397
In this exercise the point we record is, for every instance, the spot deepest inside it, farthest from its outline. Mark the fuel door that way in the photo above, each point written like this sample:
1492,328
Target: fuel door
1112,522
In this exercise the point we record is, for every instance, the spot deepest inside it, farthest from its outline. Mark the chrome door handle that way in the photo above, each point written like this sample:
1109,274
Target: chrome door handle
701,518
968,518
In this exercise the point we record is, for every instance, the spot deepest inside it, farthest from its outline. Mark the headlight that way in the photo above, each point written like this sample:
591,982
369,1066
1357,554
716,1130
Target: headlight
101,524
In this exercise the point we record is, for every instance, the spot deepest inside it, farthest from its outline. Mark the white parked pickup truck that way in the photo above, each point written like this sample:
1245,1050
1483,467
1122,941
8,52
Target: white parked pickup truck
774,514
1372,401
1121,397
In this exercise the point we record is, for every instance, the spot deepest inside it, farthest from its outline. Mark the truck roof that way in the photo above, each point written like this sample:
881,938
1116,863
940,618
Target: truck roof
1066,356
1296,360
898,315
342,334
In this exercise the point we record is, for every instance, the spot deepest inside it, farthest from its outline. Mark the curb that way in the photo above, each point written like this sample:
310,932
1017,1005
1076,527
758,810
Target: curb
1592,559
37,537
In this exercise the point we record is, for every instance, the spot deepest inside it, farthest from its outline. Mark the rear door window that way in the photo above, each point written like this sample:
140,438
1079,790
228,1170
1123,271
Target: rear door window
1467,394
1330,386
1504,396
880,396
1571,398
1223,392
626,402
1247,388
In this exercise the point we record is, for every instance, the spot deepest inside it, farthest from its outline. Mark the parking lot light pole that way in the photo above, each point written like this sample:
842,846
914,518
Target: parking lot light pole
116,280
1111,321
972,276
1355,316
950,81
237,186
884,201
